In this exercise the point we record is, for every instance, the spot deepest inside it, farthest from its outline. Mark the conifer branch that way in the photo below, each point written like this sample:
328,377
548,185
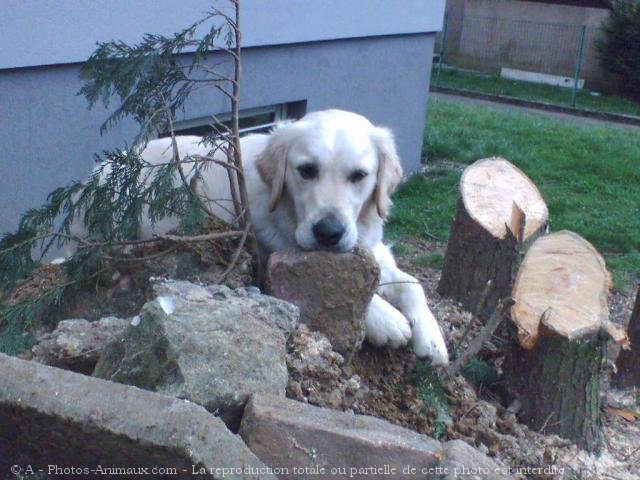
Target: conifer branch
151,82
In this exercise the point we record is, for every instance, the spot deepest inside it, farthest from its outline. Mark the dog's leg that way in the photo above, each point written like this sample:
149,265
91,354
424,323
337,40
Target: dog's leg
405,293
386,325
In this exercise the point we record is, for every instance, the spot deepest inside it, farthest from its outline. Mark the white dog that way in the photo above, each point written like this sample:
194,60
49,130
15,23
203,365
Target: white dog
324,183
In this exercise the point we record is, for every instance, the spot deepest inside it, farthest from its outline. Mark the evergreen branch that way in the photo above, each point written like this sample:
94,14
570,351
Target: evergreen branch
142,74
152,81
16,320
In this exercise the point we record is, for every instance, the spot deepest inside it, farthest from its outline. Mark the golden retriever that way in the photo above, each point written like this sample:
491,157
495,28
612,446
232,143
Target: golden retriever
323,183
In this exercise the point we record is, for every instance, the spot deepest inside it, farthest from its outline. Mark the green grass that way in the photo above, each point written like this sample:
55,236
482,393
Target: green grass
431,392
424,206
589,176
430,260
495,85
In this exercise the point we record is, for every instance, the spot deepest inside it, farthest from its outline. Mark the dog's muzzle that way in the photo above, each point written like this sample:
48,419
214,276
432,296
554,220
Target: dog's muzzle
328,231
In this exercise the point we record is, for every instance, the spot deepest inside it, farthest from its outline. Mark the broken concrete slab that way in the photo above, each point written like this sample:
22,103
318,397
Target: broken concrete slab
76,344
313,442
56,417
461,460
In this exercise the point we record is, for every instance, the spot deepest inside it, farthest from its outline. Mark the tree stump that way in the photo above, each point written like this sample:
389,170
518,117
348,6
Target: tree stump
499,209
628,362
557,320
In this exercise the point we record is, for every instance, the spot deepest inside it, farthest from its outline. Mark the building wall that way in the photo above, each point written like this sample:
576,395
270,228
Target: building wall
488,34
49,136
66,31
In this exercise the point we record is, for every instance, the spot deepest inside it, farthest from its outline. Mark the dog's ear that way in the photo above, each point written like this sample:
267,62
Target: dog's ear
272,163
389,169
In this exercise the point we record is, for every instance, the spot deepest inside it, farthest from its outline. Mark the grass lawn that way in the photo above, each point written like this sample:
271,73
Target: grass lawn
589,176
495,85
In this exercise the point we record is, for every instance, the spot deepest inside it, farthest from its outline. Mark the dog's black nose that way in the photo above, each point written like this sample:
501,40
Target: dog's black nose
328,231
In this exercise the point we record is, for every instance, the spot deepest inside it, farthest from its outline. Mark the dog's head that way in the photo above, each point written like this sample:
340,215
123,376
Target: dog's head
332,165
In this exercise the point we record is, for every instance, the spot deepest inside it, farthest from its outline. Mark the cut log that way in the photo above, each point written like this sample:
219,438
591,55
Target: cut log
558,321
628,362
499,209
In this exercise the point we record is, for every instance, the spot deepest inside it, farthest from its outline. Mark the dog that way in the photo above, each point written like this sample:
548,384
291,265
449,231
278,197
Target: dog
323,182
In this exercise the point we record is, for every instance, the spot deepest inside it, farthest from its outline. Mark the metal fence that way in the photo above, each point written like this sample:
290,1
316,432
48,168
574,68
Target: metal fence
546,52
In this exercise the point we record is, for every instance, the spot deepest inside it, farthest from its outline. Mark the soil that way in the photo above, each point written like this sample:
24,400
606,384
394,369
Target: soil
396,386
479,412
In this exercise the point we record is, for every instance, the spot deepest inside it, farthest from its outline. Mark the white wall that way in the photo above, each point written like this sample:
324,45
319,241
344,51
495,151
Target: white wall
46,32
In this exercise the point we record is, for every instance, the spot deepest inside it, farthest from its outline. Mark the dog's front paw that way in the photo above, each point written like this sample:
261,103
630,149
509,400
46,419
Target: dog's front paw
385,325
427,340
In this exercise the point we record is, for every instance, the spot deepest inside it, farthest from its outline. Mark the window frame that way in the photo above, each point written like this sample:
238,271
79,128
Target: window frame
280,112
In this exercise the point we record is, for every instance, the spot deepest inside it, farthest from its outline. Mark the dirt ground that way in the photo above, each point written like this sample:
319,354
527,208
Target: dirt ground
479,413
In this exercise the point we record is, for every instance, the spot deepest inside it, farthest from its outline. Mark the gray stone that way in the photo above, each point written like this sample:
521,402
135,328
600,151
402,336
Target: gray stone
211,345
332,290
462,461
272,311
50,416
311,441
76,344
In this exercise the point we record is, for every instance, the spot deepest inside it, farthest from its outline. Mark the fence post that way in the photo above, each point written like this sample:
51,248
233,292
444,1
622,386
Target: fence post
583,32
442,44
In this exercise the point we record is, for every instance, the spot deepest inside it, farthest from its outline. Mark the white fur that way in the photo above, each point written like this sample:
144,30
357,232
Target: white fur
284,208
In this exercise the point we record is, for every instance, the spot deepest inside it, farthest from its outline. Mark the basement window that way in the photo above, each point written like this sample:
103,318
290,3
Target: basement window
253,120
578,3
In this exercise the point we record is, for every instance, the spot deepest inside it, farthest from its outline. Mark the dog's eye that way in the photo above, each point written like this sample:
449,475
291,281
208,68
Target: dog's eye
308,171
356,176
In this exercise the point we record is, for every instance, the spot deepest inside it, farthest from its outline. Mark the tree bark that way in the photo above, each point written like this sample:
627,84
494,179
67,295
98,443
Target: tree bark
558,324
499,209
628,362
478,268
558,385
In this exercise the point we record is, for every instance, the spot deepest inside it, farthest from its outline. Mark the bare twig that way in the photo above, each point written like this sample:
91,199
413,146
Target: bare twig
86,244
230,21
26,242
485,334
432,236
224,91
218,203
220,124
219,77
483,299
144,258
464,415
200,238
235,116
196,159
183,178
546,422
208,158
236,254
